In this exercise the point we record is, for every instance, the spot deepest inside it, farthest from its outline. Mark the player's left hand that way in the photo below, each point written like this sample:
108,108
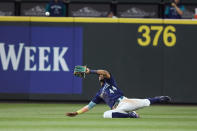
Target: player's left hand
87,70
71,114
80,71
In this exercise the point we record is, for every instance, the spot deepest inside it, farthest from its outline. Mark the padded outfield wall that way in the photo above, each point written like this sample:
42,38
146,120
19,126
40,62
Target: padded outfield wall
148,57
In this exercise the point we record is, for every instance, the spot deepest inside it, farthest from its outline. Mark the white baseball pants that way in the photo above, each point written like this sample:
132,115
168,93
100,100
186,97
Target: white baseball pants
127,105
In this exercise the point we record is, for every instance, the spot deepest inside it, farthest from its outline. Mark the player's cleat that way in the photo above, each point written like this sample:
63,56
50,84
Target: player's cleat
133,114
164,99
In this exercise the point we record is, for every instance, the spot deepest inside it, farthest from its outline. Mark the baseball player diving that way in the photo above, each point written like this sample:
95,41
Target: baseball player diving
121,106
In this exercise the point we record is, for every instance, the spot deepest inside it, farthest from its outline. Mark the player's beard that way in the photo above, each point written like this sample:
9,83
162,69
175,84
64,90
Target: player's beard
101,82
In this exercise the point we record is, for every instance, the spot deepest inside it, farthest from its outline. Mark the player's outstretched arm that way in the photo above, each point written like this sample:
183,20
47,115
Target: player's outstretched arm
82,110
105,73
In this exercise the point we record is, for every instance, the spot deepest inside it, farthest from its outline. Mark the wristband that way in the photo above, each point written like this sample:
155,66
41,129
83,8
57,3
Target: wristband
79,112
93,71
84,109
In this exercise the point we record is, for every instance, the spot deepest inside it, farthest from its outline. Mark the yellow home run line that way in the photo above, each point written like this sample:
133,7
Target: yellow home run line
96,20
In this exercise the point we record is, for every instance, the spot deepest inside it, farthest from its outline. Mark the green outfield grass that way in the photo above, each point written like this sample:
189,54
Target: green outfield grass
50,117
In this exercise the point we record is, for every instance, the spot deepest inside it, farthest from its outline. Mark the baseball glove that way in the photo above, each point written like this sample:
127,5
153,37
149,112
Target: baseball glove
80,71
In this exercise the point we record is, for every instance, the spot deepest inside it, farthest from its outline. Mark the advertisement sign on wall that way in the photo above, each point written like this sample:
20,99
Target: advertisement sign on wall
40,59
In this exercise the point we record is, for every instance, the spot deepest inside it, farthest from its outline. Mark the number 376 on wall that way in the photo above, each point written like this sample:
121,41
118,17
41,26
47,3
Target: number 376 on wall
169,37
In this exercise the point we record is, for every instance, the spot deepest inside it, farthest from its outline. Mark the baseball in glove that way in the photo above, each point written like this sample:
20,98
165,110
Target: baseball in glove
80,71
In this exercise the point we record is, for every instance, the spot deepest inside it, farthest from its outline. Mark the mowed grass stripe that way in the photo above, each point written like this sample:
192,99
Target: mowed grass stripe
50,117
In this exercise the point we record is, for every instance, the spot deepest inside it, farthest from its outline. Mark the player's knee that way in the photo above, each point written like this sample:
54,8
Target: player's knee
146,102
107,114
